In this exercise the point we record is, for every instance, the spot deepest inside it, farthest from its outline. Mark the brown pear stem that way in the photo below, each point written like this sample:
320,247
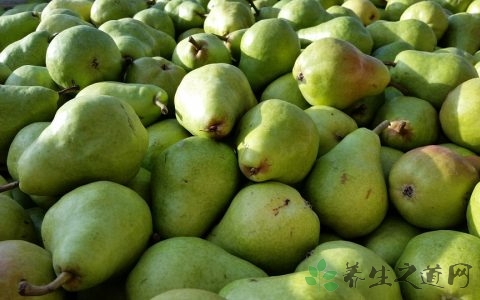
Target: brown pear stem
390,63
27,289
255,9
195,44
71,89
380,127
9,186
162,106
399,87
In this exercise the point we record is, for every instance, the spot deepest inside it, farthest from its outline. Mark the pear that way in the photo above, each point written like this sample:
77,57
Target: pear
438,264
390,238
454,6
29,50
81,259
413,123
461,29
269,224
362,269
473,221
184,203
337,188
59,20
20,106
394,8
200,49
318,67
268,50
291,286
188,294
347,28
388,156
82,55
186,14
149,101
141,183
457,115
413,31
365,10
161,135
338,10
106,10
285,88
185,262
16,26
90,138
332,124
388,52
430,12
269,151
81,7
303,13
233,41
25,260
5,71
439,186
156,18
414,72
228,16
211,105
31,75
15,222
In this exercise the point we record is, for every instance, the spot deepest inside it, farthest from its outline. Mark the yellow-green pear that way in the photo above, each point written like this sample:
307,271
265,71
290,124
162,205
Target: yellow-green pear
106,10
461,31
346,200
228,16
269,224
16,26
430,12
29,50
81,7
5,71
31,75
366,11
15,222
185,262
394,8
188,294
327,66
473,212
388,157
303,13
59,20
285,88
156,18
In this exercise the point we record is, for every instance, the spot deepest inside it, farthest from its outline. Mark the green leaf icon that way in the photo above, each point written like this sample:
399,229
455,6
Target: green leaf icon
311,280
329,275
312,271
322,264
330,286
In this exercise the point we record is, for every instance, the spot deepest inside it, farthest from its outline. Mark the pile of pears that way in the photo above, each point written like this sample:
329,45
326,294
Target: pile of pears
239,149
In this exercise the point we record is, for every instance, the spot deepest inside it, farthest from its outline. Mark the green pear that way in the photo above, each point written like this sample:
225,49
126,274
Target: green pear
81,7
338,10
106,140
94,232
458,115
185,34
82,55
106,10
183,203
413,31
388,52
141,183
186,14
365,10
390,238
161,135
228,16
17,7
413,71
56,22
346,201
438,265
473,208
268,50
332,124
413,123
395,8
156,18
233,40
200,49
473,7
345,28
185,262
31,75
430,12
148,100
211,105
291,286
22,140
285,88
20,106
461,30
362,269
269,224
269,151
455,6
438,188
36,214
458,149
363,110
318,67
303,13
5,71
16,26
388,156
188,294
468,56
159,71
15,222
29,50
21,259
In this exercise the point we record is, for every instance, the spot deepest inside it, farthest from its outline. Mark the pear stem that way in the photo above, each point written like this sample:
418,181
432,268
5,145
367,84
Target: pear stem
71,89
162,106
27,289
399,87
195,44
255,9
380,127
9,186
